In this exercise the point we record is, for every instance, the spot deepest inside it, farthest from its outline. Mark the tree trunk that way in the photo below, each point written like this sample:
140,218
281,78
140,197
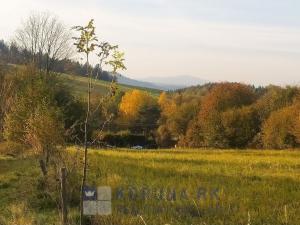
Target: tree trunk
43,167
85,143
64,209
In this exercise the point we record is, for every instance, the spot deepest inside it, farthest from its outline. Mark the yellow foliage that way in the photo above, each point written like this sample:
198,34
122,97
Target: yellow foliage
167,105
132,102
280,130
20,215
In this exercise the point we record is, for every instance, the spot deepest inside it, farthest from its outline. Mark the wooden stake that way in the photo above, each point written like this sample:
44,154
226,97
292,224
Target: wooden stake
64,210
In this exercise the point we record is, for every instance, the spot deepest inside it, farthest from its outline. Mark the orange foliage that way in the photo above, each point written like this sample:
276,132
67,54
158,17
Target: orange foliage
222,97
227,95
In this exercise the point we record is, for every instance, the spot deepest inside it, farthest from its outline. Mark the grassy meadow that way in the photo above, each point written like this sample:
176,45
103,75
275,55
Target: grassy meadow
254,187
79,86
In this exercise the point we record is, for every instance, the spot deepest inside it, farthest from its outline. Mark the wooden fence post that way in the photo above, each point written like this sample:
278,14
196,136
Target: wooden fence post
64,210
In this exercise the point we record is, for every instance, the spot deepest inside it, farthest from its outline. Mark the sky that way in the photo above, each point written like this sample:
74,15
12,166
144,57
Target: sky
250,41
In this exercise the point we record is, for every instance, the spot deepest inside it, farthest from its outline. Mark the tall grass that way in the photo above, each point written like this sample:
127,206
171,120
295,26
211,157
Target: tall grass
254,187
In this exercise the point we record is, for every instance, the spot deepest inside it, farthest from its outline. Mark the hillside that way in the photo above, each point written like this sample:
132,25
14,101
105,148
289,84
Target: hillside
79,85
175,82
163,83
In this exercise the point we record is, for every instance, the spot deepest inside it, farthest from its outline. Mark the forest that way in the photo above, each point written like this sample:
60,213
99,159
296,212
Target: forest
223,115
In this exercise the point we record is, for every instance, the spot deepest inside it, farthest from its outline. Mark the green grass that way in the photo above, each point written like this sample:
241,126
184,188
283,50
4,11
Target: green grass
79,85
260,187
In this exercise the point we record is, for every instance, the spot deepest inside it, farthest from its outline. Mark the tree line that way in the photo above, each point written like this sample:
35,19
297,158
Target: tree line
216,115
221,115
231,115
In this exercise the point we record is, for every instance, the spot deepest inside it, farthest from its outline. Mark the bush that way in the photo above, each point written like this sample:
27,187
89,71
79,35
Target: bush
12,149
124,139
20,215
43,108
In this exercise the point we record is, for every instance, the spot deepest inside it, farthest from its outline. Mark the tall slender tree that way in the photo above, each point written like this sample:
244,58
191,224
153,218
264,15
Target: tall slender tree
86,43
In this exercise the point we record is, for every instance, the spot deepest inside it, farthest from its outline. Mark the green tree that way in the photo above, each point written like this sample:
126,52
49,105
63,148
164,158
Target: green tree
86,43
146,121
240,126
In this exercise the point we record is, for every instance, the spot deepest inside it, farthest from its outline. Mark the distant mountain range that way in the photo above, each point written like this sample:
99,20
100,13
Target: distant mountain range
162,83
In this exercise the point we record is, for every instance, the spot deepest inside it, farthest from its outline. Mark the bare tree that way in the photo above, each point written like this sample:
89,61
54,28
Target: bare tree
45,38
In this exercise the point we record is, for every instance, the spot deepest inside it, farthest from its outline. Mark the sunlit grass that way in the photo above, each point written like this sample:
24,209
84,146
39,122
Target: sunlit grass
263,184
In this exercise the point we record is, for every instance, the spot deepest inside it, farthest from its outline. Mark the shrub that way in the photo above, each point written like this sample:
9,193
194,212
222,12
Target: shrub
125,139
20,215
44,131
12,149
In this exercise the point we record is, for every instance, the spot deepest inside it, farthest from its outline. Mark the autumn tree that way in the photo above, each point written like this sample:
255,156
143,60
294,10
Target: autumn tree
296,128
221,98
34,90
40,113
193,136
138,111
7,86
280,130
275,98
163,137
44,132
177,110
131,102
240,125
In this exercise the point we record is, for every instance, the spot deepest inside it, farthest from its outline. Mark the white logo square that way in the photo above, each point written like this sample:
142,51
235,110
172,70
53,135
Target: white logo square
104,208
104,193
